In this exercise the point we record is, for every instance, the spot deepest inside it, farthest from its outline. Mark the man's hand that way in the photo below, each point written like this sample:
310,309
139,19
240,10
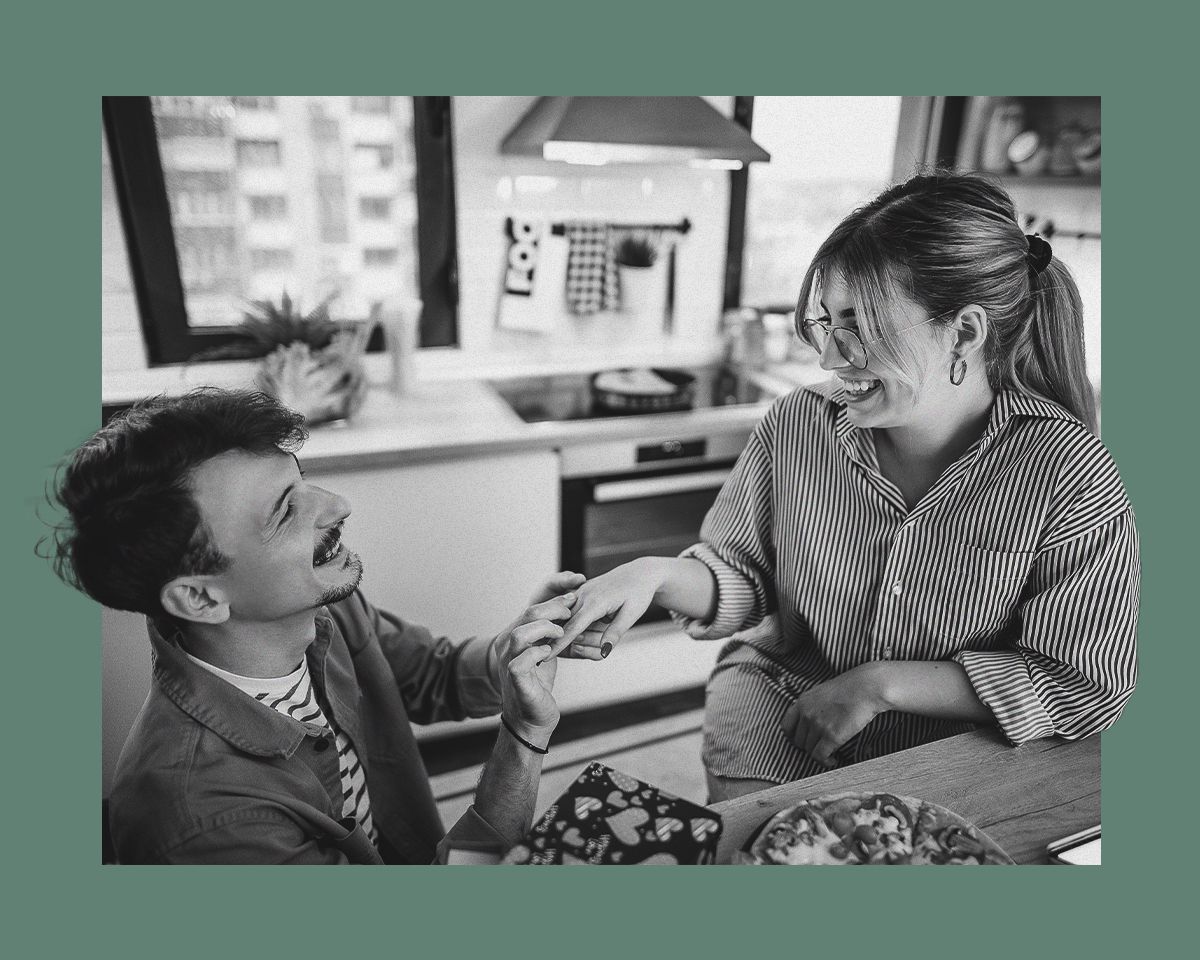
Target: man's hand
825,717
525,667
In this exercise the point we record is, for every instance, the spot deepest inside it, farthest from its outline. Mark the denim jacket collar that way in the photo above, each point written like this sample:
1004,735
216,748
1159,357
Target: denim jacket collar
225,710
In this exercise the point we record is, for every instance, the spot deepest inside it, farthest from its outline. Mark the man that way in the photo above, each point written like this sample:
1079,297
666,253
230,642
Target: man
277,725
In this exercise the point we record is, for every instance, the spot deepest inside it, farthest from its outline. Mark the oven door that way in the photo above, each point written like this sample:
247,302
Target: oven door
612,519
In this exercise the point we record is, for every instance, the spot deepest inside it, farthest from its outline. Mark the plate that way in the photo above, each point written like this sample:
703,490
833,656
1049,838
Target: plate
851,829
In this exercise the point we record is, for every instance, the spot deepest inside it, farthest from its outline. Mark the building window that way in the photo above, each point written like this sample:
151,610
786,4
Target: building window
375,208
374,156
253,103
255,153
187,171
376,105
271,259
271,207
379,256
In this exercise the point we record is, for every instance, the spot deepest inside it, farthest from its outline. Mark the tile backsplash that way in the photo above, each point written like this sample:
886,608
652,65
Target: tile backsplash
491,188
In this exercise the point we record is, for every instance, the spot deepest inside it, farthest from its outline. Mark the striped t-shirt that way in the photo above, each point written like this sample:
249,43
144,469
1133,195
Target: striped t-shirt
1020,563
295,696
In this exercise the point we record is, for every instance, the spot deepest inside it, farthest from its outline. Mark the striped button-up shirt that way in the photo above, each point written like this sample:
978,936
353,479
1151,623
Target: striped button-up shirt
1020,563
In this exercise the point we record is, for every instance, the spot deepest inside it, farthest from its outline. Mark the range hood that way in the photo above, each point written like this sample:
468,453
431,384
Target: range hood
600,130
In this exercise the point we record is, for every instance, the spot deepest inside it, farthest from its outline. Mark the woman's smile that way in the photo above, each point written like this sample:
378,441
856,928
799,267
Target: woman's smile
859,389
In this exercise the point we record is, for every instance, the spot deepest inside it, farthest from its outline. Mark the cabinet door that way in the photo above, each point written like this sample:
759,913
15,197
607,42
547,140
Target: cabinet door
457,545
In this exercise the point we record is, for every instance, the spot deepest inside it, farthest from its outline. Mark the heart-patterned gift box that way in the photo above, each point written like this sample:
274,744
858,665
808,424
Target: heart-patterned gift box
607,816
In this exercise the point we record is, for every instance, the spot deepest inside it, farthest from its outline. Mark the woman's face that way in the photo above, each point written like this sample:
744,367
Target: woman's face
877,396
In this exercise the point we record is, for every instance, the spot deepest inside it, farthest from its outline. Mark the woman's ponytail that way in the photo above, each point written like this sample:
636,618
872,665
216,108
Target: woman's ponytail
1048,357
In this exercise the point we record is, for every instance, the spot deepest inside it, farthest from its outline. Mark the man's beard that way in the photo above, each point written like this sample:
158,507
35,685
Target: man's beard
334,594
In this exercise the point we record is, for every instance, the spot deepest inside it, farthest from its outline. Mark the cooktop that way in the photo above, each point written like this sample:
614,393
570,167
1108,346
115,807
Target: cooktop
569,396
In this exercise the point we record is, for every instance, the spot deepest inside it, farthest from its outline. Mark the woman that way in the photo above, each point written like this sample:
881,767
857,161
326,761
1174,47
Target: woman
934,539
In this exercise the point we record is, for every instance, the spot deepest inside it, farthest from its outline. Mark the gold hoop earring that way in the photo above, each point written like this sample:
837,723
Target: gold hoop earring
959,367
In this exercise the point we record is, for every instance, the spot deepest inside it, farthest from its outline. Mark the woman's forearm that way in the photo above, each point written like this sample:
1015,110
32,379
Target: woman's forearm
684,585
938,689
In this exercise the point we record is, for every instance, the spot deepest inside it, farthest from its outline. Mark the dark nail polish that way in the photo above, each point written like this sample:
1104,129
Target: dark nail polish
605,649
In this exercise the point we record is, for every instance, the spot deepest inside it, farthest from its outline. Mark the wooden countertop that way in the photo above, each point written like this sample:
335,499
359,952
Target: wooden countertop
1022,797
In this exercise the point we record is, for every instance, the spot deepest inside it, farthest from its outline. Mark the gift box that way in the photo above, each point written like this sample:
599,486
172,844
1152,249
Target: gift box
607,816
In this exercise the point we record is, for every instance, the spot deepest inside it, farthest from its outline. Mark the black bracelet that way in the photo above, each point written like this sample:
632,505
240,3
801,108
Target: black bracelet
518,737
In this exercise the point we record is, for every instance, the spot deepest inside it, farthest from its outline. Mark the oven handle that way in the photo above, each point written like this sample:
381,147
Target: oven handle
616,490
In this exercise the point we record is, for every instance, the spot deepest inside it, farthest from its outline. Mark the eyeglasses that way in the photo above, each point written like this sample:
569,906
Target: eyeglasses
852,347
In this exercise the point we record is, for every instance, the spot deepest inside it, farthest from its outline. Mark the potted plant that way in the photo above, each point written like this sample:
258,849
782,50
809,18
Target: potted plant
308,361
642,292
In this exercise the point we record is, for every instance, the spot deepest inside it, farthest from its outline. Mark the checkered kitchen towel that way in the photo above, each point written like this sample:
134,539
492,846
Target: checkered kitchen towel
591,268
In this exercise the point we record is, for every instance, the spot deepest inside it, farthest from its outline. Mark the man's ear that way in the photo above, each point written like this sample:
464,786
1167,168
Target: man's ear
970,326
195,599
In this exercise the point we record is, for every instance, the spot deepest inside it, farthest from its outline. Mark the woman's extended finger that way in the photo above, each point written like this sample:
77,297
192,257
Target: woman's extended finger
587,646
579,651
586,614
626,617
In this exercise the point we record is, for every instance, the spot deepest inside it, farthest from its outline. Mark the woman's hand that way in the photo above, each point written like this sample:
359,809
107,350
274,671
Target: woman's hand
825,717
607,606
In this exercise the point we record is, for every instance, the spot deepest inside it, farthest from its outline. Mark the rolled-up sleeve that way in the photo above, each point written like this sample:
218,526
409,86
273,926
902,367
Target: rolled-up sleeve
736,544
471,840
1073,666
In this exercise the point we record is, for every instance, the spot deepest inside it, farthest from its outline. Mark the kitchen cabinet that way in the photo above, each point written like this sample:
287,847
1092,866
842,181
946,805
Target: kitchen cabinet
457,545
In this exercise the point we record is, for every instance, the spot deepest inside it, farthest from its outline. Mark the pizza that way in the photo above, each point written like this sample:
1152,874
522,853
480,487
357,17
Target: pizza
870,828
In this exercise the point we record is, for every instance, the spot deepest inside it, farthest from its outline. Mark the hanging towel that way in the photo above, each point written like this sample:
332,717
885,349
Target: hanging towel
534,277
591,268
535,270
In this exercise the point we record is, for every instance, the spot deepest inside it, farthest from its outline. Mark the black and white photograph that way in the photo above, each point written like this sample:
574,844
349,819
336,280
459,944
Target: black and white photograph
605,480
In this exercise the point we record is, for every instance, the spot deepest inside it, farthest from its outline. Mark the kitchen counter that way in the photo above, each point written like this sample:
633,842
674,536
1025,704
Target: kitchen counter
443,418
1022,797
456,419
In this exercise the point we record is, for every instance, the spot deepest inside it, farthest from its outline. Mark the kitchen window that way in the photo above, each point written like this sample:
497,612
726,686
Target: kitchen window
828,156
228,199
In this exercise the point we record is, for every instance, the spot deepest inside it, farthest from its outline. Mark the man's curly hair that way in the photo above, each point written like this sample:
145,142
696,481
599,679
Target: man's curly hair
131,522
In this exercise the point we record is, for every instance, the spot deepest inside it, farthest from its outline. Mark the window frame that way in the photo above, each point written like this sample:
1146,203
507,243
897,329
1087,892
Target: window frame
150,238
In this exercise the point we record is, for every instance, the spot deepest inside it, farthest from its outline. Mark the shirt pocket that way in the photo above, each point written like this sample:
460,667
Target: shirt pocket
971,595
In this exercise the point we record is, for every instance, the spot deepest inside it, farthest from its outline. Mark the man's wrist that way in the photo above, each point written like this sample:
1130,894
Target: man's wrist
538,736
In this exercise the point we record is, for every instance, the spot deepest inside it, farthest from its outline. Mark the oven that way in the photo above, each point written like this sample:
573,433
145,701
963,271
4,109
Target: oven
621,501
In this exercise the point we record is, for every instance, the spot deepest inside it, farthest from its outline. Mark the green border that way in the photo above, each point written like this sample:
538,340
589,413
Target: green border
61,60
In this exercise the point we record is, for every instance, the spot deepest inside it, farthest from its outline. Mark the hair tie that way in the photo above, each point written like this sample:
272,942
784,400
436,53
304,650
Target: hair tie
1039,253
